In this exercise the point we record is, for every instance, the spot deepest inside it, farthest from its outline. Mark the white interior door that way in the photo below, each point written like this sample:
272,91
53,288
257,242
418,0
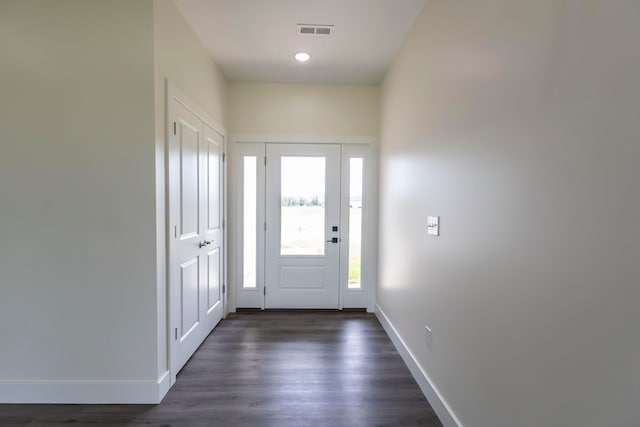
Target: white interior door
212,195
196,238
302,226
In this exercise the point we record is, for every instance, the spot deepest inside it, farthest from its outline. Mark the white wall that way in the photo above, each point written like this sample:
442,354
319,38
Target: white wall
517,123
77,229
181,58
303,110
277,112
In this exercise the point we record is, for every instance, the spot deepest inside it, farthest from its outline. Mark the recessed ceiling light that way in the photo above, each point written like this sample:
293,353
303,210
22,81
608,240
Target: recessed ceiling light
302,56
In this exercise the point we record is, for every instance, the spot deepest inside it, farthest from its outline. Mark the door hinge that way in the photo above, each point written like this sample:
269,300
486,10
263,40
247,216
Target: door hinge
223,223
174,128
176,334
175,231
224,288
224,156
265,160
265,226
264,290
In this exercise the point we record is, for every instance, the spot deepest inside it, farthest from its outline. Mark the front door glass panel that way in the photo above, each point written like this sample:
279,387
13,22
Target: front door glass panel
302,206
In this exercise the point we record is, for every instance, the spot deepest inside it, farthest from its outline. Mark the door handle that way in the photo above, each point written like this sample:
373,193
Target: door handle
333,240
204,243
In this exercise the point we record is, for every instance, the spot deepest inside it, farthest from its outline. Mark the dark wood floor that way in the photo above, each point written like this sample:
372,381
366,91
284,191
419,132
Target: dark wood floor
275,369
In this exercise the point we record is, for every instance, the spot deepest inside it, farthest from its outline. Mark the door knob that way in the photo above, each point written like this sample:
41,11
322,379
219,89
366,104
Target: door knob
204,243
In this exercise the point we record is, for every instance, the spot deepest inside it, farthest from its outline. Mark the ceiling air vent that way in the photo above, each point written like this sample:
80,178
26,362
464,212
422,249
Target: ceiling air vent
315,30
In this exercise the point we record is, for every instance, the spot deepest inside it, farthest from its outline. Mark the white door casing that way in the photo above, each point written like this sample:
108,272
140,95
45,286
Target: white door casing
297,278
196,238
249,158
249,172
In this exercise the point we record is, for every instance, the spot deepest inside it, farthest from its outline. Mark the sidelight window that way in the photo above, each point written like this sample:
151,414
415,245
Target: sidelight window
355,222
250,192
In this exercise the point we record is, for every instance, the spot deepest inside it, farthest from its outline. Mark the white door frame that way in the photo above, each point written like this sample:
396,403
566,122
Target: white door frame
355,297
253,296
173,93
254,145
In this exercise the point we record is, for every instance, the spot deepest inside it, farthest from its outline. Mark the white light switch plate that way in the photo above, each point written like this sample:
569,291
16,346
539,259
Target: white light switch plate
433,225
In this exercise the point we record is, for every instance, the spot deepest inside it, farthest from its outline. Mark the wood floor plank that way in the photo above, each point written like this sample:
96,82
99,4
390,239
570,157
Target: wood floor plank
280,369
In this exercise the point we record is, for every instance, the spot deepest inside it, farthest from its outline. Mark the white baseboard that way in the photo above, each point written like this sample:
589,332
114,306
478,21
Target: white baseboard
85,392
164,384
439,405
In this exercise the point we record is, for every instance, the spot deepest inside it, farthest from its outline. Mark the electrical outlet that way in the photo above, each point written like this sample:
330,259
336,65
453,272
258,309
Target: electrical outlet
428,338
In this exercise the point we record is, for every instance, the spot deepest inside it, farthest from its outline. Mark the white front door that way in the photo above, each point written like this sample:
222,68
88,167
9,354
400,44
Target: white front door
302,226
196,238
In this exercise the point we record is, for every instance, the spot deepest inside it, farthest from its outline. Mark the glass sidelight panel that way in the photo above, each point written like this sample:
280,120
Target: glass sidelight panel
249,242
302,221
355,222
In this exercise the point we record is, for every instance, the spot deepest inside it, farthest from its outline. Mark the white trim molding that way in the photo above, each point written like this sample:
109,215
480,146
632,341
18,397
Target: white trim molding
439,405
85,392
303,139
